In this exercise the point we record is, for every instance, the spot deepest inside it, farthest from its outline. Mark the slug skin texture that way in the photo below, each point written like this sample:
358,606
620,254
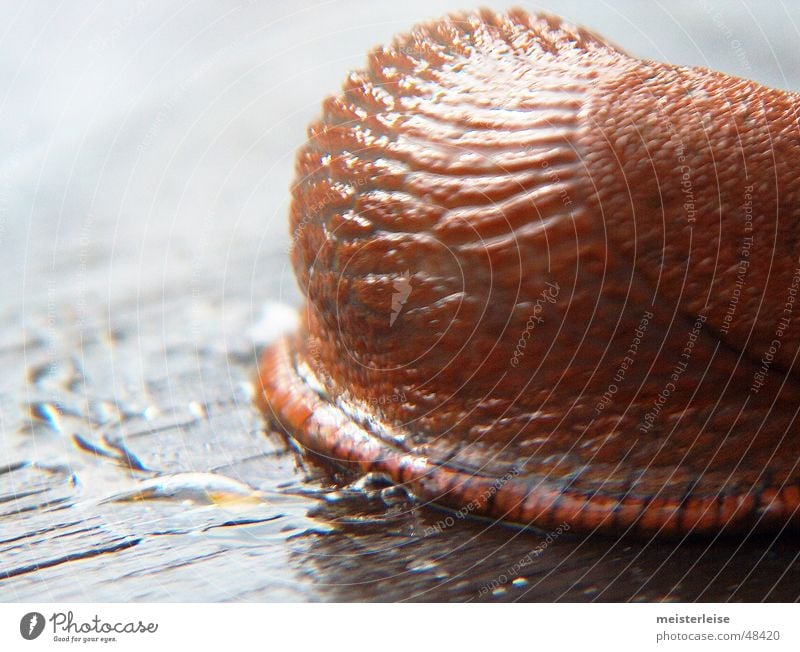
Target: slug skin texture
550,283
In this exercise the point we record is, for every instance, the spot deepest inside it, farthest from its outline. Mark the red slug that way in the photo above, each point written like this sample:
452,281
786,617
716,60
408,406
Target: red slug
550,283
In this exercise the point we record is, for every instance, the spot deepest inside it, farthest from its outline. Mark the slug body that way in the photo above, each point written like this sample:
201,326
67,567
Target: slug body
548,282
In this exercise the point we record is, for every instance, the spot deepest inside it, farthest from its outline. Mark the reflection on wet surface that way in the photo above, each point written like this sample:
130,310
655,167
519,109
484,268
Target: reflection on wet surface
116,486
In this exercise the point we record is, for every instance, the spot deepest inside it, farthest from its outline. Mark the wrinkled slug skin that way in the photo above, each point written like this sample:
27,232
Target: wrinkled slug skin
550,283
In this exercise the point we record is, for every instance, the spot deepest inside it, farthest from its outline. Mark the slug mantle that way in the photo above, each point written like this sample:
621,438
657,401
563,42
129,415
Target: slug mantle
550,283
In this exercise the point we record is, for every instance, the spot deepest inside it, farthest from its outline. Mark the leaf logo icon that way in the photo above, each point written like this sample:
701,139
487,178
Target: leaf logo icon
31,625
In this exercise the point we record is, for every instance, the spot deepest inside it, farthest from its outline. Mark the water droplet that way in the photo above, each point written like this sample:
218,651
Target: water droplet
103,412
422,566
47,413
372,482
151,412
275,320
200,488
394,495
246,391
37,372
198,409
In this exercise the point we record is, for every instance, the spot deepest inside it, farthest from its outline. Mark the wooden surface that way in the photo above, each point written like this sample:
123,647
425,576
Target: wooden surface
146,156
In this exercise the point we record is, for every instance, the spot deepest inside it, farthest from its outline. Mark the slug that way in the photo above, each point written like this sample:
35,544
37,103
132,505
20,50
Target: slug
549,283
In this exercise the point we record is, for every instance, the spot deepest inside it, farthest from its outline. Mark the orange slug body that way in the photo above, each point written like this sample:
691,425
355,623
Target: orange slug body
548,282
